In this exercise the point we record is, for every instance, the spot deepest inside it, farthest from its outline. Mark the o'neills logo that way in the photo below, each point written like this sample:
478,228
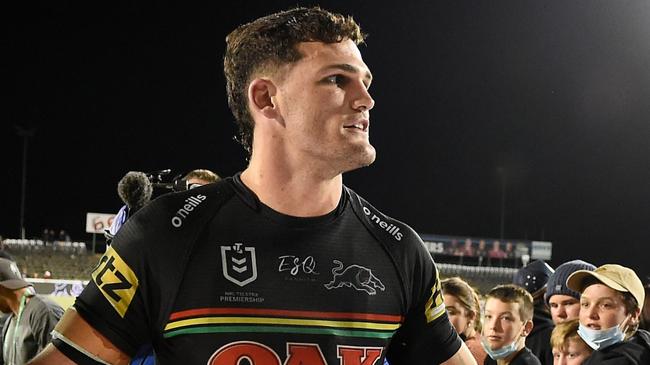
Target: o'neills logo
388,227
190,203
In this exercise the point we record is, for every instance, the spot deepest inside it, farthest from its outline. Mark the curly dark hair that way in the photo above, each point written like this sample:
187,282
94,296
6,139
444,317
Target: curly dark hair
270,42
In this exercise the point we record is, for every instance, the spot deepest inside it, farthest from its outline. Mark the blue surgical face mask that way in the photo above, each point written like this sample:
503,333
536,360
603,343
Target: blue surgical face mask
500,353
600,339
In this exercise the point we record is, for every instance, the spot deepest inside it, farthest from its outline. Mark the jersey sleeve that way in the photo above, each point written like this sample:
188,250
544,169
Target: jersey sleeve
116,301
133,287
427,332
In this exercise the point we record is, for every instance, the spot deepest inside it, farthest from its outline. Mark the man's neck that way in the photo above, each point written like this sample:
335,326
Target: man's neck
296,193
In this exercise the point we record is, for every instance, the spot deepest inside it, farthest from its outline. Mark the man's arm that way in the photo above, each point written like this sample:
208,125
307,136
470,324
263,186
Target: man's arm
86,339
462,357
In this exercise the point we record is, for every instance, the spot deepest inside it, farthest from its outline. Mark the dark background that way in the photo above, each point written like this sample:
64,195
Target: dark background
555,93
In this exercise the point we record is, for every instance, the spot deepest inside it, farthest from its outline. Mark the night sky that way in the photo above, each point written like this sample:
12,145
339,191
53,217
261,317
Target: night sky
554,94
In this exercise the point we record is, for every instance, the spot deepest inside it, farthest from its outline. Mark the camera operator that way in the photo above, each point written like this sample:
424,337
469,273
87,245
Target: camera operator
136,188
200,177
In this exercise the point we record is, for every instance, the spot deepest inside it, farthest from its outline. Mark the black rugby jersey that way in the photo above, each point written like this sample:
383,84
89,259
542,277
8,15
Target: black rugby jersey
213,276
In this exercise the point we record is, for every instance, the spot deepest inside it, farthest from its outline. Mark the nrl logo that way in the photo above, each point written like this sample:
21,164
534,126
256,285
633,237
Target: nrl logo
238,263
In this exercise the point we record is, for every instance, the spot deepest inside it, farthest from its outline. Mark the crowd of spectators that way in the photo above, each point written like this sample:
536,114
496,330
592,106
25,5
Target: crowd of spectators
575,314
50,236
496,251
47,258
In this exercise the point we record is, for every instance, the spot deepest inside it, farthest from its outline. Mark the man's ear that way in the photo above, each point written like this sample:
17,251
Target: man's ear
260,98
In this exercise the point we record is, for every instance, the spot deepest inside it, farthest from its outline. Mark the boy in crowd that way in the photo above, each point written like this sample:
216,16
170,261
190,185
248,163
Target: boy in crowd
568,347
534,278
610,304
564,302
508,320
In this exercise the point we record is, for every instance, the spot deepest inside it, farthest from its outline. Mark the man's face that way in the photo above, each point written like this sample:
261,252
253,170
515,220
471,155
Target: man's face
574,353
563,308
324,103
601,307
503,324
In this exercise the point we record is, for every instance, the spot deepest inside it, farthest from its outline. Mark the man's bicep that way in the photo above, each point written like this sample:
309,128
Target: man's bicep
82,338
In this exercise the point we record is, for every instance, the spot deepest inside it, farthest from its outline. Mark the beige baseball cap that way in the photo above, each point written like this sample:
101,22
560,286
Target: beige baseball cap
614,276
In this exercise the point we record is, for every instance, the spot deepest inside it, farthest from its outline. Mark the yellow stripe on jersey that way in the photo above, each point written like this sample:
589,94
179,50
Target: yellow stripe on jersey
435,306
116,281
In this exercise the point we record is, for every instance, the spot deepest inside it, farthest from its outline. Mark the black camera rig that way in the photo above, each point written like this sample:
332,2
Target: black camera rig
160,180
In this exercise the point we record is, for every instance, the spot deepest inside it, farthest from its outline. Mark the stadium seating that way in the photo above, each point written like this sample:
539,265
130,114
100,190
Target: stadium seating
64,260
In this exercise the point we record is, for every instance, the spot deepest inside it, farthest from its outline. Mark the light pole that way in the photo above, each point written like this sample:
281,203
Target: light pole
502,175
26,134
